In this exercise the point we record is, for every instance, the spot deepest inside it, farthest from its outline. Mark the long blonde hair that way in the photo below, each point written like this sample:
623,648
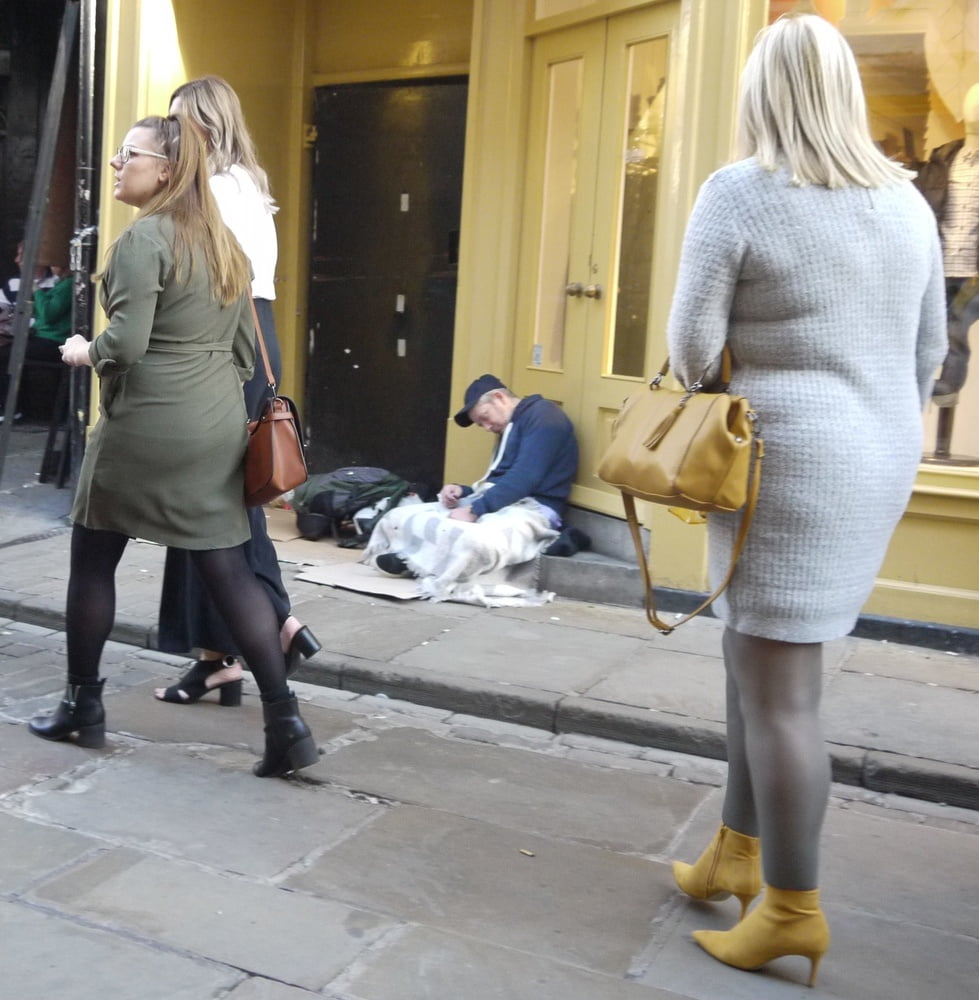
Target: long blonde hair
211,104
802,107
188,201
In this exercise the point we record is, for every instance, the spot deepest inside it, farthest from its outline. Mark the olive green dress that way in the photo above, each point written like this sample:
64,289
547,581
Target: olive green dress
164,461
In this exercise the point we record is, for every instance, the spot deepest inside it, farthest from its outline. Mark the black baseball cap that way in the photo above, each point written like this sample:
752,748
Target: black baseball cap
482,385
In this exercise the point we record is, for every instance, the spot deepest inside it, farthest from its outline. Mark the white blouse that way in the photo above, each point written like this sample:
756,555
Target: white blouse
246,213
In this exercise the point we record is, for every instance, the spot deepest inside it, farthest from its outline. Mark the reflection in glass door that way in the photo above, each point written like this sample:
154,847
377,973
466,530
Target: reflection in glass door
645,105
560,170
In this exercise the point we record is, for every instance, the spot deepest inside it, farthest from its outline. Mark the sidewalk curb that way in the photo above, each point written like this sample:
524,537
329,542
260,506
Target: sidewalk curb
874,770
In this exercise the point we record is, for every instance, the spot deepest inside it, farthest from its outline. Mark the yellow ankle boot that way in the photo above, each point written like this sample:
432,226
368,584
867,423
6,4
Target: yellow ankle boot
730,866
785,922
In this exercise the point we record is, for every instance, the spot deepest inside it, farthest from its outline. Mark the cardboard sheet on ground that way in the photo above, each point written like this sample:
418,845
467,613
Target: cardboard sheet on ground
512,586
363,579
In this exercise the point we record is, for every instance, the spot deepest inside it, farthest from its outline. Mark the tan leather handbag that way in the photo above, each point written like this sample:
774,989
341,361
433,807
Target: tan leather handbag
688,449
275,461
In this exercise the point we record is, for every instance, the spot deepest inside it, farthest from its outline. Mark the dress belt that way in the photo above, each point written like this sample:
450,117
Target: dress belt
223,347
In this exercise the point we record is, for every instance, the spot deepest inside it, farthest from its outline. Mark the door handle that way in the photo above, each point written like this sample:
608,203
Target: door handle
593,292
574,289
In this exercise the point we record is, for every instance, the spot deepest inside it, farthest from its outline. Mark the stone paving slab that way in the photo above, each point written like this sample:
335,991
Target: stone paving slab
32,851
132,801
500,885
632,812
870,958
912,663
687,684
422,964
233,921
883,864
101,965
903,716
537,655
257,988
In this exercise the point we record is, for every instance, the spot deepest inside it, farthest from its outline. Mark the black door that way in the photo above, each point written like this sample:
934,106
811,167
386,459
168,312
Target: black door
387,189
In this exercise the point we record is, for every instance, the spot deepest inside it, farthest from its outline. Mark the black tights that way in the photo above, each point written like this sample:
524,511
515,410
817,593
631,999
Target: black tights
237,594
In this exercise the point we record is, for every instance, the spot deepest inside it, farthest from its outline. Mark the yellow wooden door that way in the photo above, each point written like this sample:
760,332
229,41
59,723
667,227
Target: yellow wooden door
588,316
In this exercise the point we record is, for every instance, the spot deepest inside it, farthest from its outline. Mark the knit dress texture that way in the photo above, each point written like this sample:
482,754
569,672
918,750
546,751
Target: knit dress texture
832,302
164,461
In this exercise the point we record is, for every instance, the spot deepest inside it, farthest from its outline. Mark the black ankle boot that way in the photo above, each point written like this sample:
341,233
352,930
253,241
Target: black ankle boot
289,744
80,712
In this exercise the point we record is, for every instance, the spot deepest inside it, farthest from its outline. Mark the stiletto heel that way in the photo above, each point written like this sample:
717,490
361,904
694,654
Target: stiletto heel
304,644
80,712
786,922
730,866
193,685
814,967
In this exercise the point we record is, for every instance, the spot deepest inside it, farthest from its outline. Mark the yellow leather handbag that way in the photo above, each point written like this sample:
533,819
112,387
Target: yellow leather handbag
690,449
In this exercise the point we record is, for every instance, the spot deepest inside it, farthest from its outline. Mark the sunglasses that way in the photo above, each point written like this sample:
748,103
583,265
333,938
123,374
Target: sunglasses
125,153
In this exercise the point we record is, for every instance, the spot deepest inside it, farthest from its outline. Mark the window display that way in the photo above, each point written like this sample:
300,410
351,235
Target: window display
919,60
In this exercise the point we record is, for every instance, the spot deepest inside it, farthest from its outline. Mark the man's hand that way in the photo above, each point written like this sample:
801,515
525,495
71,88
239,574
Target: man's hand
450,495
464,514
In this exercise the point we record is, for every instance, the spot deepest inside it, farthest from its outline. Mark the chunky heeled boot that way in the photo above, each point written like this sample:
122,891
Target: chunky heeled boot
288,742
80,712
730,866
785,922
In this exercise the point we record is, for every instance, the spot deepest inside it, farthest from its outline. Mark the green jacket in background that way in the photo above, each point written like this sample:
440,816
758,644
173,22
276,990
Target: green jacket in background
52,311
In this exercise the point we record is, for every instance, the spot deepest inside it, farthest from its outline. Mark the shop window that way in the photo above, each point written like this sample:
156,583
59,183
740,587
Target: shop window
919,62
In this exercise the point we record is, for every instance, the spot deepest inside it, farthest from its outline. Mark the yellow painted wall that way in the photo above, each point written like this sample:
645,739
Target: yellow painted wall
371,39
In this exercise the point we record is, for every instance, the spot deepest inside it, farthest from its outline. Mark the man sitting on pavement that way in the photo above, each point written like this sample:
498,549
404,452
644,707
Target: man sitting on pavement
506,518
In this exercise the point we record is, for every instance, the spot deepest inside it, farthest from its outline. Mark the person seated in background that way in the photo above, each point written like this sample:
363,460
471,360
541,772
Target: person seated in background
50,323
507,517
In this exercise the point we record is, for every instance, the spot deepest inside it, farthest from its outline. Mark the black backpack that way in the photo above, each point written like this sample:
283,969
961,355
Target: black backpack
328,500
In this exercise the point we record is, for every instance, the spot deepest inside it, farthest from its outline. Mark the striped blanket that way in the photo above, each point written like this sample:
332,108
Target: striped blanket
489,562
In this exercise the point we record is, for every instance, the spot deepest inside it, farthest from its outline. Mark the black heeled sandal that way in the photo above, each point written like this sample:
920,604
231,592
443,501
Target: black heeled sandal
304,644
193,685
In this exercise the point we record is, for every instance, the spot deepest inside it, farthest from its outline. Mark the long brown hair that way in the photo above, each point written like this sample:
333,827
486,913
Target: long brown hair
187,199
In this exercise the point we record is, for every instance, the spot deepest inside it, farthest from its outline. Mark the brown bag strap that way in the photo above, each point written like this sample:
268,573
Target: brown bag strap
261,344
629,502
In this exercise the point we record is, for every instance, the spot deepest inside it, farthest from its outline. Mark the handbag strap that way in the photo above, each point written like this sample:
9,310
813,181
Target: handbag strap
629,502
261,344
721,384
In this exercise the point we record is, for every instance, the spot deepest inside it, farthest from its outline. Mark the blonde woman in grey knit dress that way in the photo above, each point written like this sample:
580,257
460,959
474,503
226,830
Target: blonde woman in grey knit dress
817,262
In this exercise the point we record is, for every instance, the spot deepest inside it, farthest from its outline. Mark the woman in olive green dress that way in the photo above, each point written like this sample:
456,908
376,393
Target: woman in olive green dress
164,461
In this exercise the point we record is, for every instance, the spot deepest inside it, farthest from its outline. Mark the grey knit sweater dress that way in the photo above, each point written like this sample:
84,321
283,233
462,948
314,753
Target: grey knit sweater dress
833,304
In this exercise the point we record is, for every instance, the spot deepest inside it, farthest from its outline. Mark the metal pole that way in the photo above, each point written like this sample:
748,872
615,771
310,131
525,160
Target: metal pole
35,217
83,243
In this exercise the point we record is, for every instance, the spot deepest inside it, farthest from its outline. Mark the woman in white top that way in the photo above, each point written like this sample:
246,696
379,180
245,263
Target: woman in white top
188,620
